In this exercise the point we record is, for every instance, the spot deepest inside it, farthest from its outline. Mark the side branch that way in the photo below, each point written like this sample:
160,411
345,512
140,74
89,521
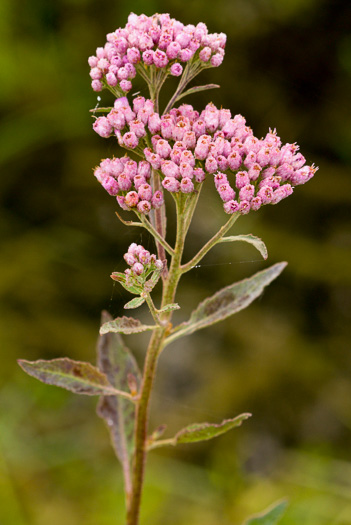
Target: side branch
148,226
212,242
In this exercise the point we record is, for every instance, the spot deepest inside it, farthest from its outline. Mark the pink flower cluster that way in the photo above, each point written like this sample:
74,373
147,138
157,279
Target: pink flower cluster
141,263
185,145
158,41
128,181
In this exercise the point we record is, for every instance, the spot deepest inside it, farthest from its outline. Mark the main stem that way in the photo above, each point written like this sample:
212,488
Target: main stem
153,351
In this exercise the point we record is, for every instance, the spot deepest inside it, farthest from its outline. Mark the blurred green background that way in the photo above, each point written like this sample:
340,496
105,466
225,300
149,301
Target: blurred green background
286,359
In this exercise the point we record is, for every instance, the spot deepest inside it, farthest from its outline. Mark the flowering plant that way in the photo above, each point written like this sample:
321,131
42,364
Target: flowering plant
176,151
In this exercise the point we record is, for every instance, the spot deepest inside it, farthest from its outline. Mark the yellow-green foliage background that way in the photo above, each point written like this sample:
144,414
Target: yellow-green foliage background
286,359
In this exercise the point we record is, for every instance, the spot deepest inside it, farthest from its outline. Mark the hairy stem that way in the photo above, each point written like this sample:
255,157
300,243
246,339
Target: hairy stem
153,351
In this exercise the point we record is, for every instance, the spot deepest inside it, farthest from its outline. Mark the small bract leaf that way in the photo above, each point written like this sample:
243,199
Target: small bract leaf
270,516
226,302
76,376
251,239
134,303
151,283
170,307
200,432
205,431
125,325
120,367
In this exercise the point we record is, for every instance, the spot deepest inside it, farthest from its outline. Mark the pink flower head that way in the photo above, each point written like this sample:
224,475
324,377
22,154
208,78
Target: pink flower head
124,182
145,192
171,184
130,140
163,148
186,185
242,179
110,185
157,199
131,199
205,54
138,181
138,268
231,207
144,207
160,58
138,128
176,69
144,169
102,127
117,119
170,169
226,192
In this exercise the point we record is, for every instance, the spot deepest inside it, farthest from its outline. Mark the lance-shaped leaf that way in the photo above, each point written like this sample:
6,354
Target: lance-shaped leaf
196,89
201,432
269,517
169,307
125,325
77,376
134,303
226,302
119,365
251,239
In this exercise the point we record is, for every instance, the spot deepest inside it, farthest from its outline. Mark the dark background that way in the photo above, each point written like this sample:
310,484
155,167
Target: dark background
286,359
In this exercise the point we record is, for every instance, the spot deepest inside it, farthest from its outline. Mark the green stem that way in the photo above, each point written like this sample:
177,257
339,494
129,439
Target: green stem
148,226
207,247
153,351
189,73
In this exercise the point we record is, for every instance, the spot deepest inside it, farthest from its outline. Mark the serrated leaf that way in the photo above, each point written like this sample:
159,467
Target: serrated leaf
76,376
134,303
227,302
269,517
170,307
251,239
125,325
119,365
196,89
201,432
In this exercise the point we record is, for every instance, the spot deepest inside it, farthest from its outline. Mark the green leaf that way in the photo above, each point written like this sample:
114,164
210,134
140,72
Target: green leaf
201,432
116,361
270,516
151,283
125,325
226,302
170,307
196,89
121,278
76,376
134,303
251,239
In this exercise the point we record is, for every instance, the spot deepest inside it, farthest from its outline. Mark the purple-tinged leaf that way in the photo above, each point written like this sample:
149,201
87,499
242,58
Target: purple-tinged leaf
134,303
196,89
251,239
226,302
120,367
269,517
76,376
201,432
125,325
